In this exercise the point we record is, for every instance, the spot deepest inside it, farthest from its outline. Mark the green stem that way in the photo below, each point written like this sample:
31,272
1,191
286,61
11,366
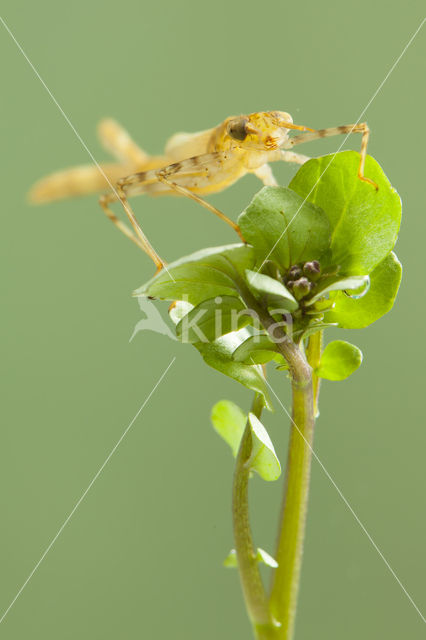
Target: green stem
289,552
251,581
313,355
283,599
285,588
300,370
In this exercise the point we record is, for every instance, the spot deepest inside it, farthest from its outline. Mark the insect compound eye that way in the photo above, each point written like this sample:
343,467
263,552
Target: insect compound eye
237,129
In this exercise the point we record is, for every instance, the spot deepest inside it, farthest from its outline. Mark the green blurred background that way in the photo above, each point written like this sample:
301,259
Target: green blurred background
141,557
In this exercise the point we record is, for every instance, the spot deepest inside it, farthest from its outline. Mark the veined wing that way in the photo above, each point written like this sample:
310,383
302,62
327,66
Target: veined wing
185,145
207,173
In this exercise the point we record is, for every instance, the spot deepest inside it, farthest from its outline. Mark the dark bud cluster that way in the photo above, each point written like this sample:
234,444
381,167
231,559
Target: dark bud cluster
300,287
294,273
312,270
300,279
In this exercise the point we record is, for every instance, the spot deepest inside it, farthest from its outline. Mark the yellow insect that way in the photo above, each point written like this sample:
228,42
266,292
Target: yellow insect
193,164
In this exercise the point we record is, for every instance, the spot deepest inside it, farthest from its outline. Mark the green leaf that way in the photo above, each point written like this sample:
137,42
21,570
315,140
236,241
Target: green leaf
258,349
202,275
229,421
231,560
213,318
218,355
339,360
282,367
178,310
264,557
357,314
336,284
312,328
274,291
364,222
263,458
283,228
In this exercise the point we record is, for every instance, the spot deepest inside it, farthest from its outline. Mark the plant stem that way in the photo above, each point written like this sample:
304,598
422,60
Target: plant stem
251,581
285,588
313,354
289,552
300,370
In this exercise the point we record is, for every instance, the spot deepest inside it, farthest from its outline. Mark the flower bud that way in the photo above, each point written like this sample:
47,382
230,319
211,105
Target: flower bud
301,287
312,269
294,272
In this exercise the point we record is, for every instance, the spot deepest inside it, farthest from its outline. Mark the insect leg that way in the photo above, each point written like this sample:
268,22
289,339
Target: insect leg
117,141
104,201
334,131
138,236
265,174
290,156
187,175
164,177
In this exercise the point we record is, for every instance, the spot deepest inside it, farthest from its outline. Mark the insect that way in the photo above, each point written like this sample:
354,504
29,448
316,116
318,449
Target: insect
193,165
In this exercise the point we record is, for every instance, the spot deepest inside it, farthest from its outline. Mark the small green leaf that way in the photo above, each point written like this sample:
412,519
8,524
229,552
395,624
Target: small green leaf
229,421
282,367
213,318
218,354
312,328
193,283
357,314
336,284
283,228
274,291
231,560
364,222
263,458
178,310
265,558
262,557
258,349
202,275
339,360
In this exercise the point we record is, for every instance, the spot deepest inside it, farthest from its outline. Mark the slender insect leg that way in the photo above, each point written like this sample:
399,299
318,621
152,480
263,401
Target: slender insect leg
163,177
334,131
139,238
104,201
290,156
117,141
265,174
